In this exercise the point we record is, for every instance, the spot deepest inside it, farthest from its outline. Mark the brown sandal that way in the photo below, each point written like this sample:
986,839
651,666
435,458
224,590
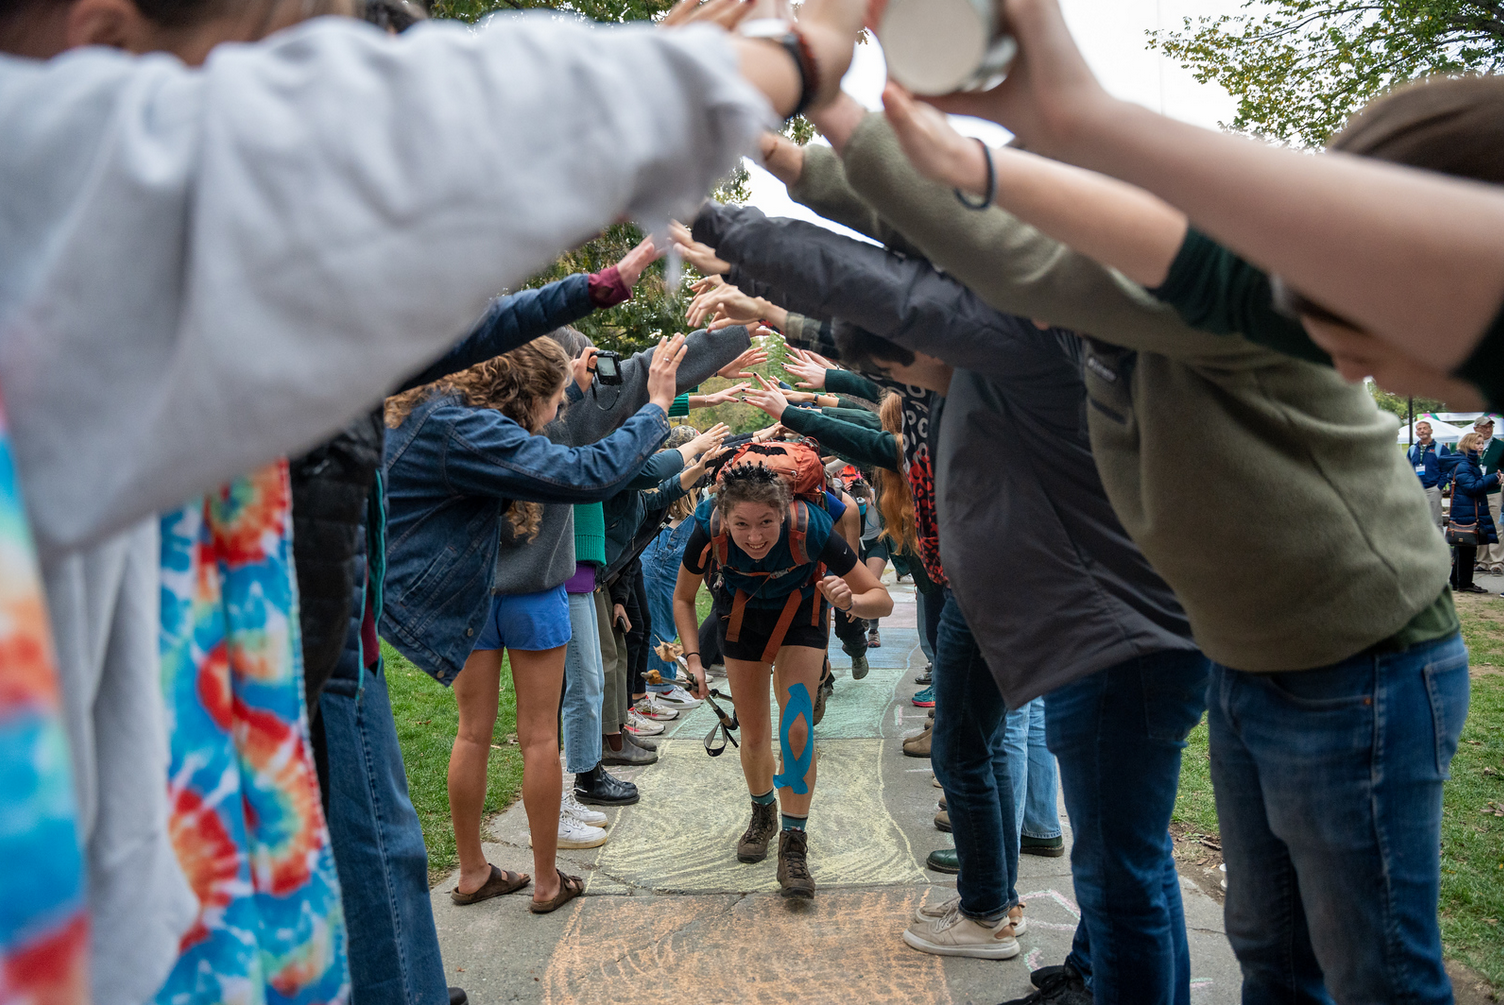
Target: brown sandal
570,887
501,881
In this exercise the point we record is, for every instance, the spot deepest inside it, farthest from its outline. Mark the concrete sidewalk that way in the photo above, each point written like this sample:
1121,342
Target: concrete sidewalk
669,916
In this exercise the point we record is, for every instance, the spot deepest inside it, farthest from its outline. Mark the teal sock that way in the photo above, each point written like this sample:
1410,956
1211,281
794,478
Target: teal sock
793,823
766,799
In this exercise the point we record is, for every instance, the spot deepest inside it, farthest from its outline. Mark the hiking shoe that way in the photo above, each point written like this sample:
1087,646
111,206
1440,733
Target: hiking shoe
575,834
942,804
641,725
943,860
629,754
651,708
957,935
753,846
874,640
918,745
942,821
1473,588
678,698
926,675
858,667
925,698
793,865
1048,847
571,806
601,788
1057,986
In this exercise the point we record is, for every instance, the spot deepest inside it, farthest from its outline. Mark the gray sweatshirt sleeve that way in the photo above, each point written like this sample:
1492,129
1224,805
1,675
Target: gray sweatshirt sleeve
604,407
215,266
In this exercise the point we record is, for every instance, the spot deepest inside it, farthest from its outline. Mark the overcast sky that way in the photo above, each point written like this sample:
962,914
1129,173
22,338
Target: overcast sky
1111,34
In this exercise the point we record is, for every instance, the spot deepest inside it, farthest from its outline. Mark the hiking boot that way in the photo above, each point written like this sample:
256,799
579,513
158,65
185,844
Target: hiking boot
793,865
955,934
874,640
858,667
570,806
601,788
1048,847
918,745
943,860
753,846
925,698
942,821
1057,986
942,804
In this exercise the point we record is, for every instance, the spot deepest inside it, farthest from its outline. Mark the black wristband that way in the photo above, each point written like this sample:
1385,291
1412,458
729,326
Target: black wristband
809,82
986,202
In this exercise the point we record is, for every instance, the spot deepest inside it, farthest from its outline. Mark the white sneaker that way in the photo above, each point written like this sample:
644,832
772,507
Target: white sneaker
957,935
576,810
678,698
575,834
651,708
640,725
933,912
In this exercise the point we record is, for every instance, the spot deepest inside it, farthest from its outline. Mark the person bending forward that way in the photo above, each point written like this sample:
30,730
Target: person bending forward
757,578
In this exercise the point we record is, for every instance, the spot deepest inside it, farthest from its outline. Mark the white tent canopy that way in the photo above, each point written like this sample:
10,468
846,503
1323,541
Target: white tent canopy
1441,432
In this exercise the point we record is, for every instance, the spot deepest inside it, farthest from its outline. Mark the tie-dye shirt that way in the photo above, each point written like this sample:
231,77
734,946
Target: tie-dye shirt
246,820
43,925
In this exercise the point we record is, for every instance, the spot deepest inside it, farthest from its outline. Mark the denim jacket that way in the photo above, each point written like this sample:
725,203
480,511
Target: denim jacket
451,471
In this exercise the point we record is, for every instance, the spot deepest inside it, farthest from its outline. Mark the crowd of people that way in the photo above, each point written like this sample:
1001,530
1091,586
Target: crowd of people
252,426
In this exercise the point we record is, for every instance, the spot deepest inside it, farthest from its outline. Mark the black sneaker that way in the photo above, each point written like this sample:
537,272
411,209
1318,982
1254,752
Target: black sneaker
1057,986
457,996
601,788
793,865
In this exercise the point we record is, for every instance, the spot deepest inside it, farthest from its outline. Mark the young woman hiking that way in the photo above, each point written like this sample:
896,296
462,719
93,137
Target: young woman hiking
777,561
460,459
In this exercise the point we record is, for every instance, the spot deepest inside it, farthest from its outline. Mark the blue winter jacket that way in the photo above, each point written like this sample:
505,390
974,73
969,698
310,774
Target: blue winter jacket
1426,459
451,471
1470,489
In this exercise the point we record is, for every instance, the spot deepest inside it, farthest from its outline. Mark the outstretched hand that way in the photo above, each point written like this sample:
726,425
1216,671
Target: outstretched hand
932,143
663,372
633,262
722,301
708,440
743,364
726,13
1050,95
811,374
701,256
768,397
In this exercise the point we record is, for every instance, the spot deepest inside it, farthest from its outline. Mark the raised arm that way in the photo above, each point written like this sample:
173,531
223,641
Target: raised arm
1411,257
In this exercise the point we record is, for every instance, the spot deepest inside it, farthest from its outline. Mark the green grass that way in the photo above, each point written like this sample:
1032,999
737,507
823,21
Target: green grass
427,721
1472,841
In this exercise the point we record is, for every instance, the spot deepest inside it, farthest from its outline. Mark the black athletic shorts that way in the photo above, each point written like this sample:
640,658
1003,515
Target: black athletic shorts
878,549
758,624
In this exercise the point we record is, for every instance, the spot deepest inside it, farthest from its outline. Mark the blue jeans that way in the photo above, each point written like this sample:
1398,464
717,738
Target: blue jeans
1328,788
584,680
378,849
1031,766
970,759
660,572
1117,736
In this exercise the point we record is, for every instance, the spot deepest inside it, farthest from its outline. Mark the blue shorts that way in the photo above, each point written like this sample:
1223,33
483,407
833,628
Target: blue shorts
528,622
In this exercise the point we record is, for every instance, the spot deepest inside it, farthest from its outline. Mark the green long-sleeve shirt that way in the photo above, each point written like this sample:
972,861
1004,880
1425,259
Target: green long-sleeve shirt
853,384
1208,445
852,443
858,416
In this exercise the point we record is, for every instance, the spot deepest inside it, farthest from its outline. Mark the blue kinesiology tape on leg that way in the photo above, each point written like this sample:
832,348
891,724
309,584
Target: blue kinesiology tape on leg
795,770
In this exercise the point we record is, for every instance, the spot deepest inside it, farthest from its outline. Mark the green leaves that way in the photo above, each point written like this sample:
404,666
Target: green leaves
1300,68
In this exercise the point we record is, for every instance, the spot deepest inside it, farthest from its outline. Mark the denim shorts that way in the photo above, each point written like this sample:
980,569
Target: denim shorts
528,622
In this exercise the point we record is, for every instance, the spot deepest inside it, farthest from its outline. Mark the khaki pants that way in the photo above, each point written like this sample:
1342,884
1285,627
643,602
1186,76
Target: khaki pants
615,697
1492,556
1433,496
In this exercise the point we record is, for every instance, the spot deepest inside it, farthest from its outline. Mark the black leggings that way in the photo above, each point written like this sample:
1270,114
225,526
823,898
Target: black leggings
637,638
1463,557
852,632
